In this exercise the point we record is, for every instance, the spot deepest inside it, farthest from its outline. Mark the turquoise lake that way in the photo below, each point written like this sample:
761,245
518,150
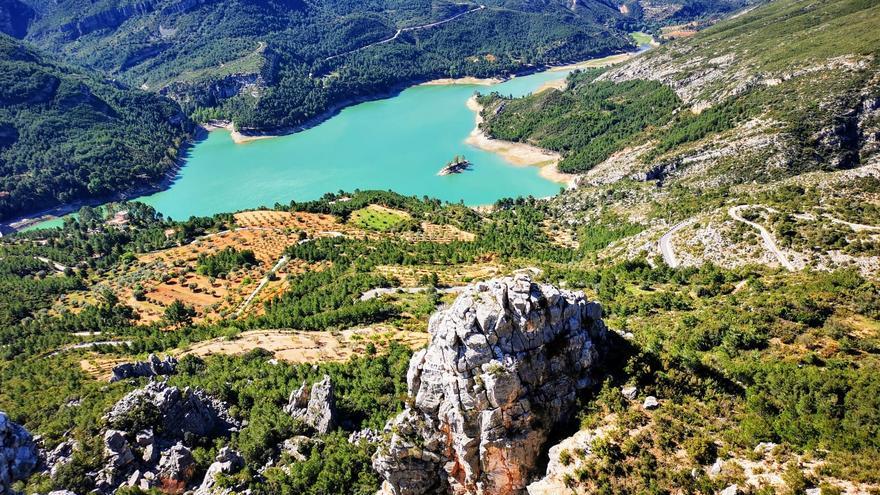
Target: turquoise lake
397,143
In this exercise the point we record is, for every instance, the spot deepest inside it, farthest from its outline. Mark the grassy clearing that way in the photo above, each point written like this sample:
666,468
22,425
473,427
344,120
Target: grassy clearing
379,218
641,38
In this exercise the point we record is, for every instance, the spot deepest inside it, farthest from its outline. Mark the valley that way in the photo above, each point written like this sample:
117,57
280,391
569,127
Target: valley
657,272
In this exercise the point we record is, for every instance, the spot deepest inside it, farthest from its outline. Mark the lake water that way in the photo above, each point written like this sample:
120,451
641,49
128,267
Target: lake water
398,143
394,144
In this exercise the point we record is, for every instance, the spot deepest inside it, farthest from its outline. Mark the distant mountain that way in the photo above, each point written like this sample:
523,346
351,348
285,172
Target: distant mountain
278,63
66,134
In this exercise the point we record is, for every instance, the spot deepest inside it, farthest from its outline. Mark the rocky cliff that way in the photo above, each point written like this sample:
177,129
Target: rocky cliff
18,453
504,367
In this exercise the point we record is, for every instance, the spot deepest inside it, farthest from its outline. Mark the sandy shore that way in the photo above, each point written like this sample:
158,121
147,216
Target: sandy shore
237,137
518,154
463,81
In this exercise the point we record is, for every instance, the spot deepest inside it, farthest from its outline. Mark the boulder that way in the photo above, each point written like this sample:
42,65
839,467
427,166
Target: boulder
299,447
630,392
59,456
174,412
119,462
651,402
153,366
18,453
176,469
315,407
503,368
227,461
117,450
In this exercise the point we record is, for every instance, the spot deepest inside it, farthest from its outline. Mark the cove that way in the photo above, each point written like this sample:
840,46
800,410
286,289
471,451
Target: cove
397,143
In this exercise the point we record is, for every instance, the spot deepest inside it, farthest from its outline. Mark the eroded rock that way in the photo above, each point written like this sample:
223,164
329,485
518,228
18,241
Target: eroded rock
315,407
18,453
153,366
175,412
503,368
176,469
227,461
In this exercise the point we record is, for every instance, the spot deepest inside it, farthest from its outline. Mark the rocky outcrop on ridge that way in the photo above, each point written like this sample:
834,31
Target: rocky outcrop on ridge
315,406
145,445
153,366
177,411
18,453
504,366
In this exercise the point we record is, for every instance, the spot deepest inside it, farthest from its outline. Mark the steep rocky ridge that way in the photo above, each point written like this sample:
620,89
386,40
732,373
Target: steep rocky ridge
504,367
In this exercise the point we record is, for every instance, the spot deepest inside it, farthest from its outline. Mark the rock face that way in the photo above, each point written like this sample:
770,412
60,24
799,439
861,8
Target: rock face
59,456
144,447
177,411
18,453
315,407
227,461
503,368
176,469
153,366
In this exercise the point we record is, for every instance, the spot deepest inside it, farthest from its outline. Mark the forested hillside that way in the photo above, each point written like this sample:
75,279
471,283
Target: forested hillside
725,218
66,134
738,92
274,64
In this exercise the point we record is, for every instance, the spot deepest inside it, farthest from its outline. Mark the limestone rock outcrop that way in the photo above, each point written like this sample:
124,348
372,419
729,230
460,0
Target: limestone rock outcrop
227,461
18,453
61,455
153,366
503,368
315,407
145,445
177,411
176,469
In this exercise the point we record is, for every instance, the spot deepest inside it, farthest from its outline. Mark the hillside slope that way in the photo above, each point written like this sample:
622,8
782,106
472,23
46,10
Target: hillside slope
747,118
288,61
66,135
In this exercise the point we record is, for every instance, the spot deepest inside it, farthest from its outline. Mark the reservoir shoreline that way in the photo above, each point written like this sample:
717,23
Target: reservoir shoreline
175,172
517,154
246,135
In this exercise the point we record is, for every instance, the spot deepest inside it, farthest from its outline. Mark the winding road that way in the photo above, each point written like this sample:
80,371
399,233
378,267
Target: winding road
665,243
769,240
406,30
856,227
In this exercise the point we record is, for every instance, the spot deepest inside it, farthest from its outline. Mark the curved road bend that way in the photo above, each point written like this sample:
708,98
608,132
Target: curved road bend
665,243
769,240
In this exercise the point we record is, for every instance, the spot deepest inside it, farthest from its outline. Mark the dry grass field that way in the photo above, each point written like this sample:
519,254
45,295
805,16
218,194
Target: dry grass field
309,347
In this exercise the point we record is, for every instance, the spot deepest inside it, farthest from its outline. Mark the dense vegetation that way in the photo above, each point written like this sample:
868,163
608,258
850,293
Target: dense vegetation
306,57
737,355
225,261
66,135
586,123
744,355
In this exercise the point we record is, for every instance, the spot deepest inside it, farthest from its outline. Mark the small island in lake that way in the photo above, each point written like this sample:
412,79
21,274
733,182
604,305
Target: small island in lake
458,165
